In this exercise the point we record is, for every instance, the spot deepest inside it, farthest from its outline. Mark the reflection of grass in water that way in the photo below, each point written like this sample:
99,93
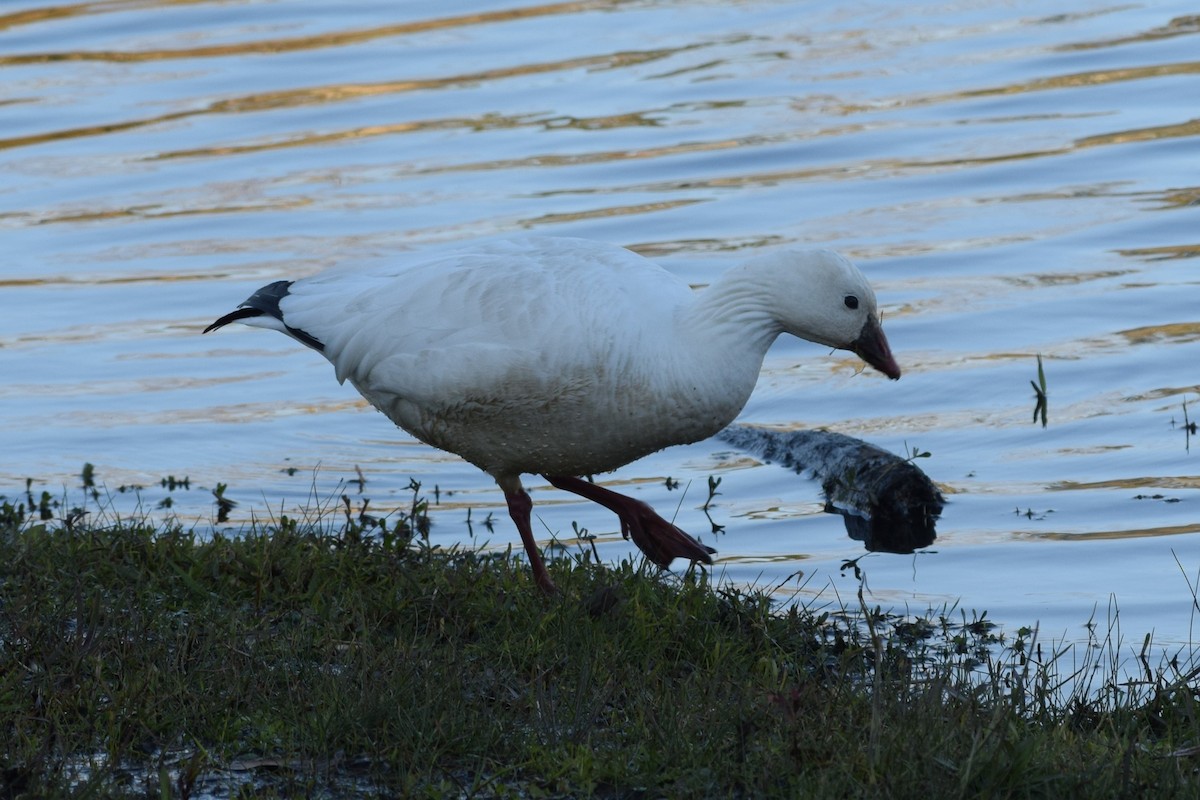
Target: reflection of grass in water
342,650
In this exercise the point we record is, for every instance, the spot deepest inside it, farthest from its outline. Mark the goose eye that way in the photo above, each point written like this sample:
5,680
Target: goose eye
851,301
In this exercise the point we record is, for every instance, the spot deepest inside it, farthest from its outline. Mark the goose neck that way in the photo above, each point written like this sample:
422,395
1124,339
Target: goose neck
737,306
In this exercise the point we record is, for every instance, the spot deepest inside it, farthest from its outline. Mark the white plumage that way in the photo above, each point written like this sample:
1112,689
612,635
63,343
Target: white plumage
566,357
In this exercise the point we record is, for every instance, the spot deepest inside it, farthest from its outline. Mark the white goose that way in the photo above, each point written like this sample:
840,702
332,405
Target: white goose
567,357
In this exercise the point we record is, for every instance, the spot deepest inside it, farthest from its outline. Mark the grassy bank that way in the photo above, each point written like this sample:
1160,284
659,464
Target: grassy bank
327,659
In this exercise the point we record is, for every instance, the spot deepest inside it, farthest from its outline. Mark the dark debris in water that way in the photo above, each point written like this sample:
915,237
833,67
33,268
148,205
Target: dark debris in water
1161,497
885,501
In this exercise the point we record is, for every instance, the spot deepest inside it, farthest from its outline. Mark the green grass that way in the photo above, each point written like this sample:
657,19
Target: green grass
325,659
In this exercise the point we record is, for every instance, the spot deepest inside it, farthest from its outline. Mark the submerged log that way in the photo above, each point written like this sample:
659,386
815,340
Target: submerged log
885,501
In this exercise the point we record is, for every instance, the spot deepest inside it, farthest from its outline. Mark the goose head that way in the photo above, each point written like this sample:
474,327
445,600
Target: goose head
819,295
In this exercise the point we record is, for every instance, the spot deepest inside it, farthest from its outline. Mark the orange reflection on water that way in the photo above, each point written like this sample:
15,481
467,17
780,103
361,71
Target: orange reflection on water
313,42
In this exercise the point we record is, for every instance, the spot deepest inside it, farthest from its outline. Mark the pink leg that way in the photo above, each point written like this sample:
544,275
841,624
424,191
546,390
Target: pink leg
661,541
519,508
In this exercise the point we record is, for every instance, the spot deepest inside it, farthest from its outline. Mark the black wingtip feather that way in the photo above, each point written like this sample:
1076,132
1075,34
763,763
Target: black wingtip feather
234,316
265,301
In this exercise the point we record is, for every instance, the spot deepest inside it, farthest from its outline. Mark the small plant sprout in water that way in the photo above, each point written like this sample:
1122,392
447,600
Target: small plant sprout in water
171,483
852,563
361,480
1189,428
224,504
1040,408
88,475
912,454
45,506
713,483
